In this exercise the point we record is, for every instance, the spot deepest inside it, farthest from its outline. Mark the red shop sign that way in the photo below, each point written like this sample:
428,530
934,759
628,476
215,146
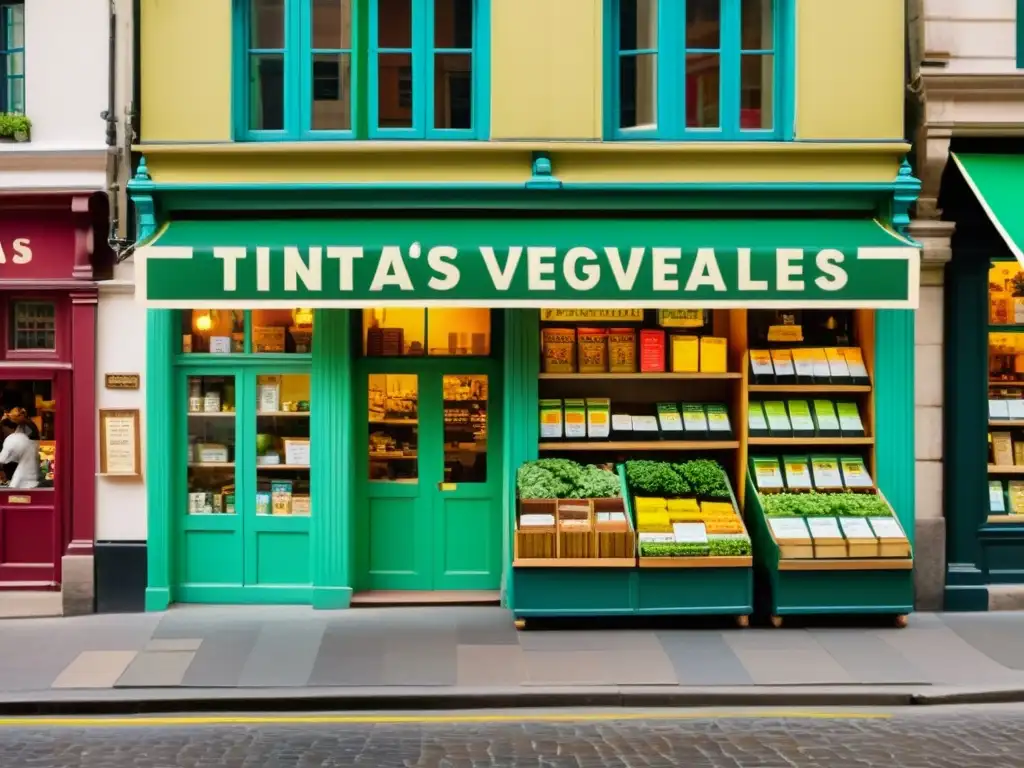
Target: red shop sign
37,245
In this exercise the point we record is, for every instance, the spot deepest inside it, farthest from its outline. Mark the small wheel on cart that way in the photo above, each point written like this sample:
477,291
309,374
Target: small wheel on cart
902,621
776,621
742,621
520,624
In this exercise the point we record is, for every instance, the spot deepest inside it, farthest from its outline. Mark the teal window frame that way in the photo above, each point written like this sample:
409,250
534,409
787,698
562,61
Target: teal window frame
1020,34
8,50
191,358
364,51
671,51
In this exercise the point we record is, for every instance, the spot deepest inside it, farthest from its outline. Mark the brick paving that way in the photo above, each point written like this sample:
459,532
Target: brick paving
965,738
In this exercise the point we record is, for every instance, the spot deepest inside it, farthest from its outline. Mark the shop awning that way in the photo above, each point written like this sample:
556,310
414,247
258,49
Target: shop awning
998,183
536,262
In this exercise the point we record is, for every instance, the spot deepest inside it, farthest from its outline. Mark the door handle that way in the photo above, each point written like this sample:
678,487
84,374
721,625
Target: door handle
443,486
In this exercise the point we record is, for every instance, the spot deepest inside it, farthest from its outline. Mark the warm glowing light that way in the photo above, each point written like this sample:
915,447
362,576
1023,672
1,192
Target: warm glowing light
204,322
302,316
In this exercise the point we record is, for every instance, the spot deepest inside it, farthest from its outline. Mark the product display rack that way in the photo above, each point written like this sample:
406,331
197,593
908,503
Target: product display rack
807,585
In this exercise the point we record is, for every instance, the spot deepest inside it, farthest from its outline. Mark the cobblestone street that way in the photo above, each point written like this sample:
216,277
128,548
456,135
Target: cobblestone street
955,737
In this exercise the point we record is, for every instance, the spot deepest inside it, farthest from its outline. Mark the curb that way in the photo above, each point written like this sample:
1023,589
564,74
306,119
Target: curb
229,701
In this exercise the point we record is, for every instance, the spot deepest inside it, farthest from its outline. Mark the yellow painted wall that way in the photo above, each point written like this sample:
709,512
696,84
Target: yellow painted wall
185,70
849,69
546,65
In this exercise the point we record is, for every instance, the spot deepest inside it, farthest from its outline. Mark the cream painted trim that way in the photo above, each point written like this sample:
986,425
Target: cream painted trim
51,160
526,304
1014,248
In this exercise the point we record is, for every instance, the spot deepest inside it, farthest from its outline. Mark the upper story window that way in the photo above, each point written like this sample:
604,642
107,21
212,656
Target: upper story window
12,56
363,69
697,69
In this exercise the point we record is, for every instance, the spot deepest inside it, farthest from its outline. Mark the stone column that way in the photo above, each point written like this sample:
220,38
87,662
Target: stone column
929,522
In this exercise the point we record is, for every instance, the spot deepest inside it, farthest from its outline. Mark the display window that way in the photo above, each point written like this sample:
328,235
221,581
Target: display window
29,433
237,332
412,332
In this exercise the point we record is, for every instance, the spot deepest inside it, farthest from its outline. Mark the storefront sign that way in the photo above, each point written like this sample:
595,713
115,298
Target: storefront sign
119,443
37,244
592,315
121,380
567,264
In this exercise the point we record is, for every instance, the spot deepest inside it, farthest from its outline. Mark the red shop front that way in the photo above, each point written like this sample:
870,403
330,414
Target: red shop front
53,249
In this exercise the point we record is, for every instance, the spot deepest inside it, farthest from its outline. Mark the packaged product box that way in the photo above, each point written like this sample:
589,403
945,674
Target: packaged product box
767,475
268,338
1018,453
598,418
719,426
669,420
713,354
592,349
761,369
652,351
825,473
263,506
695,421
800,418
551,420
559,345
301,505
645,428
1002,449
793,537
1015,490
797,473
825,419
803,363
855,474
838,368
622,426
788,333
998,409
757,423
622,350
778,420
782,361
575,419
829,541
1015,409
996,498
681,318
860,538
855,364
684,353
850,424
822,372
892,541
281,497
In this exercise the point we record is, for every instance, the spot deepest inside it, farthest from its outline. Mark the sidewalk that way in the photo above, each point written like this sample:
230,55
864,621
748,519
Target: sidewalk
291,657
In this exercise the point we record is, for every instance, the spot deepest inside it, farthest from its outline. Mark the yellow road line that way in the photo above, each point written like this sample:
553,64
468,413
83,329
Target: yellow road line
108,722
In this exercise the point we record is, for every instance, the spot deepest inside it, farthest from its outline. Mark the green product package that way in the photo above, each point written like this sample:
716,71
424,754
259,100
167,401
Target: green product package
826,474
825,418
669,420
798,473
855,474
598,418
767,475
800,418
719,425
575,419
757,424
996,498
849,420
551,420
695,422
778,420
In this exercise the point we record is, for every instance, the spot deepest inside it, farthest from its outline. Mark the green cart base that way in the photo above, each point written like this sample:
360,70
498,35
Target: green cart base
580,592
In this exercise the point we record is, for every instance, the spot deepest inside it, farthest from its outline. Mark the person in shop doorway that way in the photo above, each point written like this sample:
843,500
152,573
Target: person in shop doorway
19,455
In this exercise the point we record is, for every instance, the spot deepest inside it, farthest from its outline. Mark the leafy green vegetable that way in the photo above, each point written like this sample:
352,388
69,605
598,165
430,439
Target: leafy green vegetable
534,482
673,549
705,476
597,483
729,547
815,504
564,479
655,478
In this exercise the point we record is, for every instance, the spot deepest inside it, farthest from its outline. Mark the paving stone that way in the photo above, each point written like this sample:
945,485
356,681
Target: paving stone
283,656
156,669
95,669
703,658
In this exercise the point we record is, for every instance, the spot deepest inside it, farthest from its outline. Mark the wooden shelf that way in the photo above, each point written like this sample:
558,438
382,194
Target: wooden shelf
283,413
1006,422
1011,469
642,445
272,467
574,562
395,422
1008,384
1013,519
810,388
211,414
211,464
848,564
636,376
403,457
697,562
810,441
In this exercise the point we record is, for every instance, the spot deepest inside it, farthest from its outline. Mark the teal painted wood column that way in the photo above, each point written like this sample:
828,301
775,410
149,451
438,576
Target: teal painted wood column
159,461
894,411
331,475
520,414
965,469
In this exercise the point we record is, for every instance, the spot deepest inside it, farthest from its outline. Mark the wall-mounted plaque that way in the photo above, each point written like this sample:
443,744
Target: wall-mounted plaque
120,454
121,380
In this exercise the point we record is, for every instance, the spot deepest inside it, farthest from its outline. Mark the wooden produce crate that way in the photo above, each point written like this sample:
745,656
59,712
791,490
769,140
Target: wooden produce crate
535,543
576,537
614,542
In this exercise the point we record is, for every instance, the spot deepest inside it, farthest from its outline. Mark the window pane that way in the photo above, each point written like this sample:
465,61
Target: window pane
16,64
756,91
220,331
393,332
638,90
394,23
453,90
459,331
332,24
266,108
267,24
453,24
703,24
211,445
465,429
702,90
332,84
27,428
282,444
17,95
33,325
16,26
393,427
279,331
394,90
757,25
638,24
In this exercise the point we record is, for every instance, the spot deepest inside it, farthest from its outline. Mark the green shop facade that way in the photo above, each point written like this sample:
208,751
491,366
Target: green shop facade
342,382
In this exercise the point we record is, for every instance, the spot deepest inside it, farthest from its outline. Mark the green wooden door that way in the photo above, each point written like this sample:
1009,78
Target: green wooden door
429,514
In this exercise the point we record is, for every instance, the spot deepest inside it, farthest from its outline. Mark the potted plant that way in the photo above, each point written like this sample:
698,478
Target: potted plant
14,127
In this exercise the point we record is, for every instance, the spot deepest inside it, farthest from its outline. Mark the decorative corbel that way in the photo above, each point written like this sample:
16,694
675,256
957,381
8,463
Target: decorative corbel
542,177
905,190
85,237
140,189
